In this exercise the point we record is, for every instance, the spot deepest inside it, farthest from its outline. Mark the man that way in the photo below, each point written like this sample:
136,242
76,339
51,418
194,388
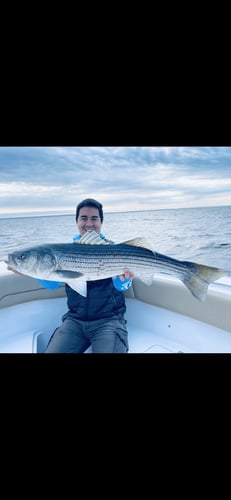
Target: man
98,319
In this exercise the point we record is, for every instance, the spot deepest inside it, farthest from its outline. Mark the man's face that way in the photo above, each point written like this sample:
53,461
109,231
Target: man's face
89,220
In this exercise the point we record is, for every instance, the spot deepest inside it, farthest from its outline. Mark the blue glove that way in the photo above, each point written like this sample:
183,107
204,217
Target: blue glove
51,285
121,285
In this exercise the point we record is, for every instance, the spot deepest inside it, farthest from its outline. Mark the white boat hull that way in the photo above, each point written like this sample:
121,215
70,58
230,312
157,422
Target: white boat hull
161,318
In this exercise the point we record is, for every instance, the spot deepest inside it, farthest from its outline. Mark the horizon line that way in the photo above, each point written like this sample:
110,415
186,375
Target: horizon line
14,215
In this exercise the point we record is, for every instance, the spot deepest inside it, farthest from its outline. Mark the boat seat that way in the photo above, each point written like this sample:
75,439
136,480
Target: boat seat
23,343
40,341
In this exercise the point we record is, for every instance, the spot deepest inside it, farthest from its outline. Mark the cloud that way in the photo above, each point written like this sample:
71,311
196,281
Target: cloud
123,178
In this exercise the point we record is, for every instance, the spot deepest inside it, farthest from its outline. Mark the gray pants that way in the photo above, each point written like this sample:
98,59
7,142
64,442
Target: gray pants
108,335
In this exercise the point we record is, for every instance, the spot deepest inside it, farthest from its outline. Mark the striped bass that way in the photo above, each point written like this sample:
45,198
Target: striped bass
93,258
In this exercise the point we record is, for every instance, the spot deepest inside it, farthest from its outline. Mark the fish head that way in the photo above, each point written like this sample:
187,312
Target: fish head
37,262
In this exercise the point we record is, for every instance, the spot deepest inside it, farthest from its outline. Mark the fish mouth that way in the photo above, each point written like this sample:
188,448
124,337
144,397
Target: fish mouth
8,264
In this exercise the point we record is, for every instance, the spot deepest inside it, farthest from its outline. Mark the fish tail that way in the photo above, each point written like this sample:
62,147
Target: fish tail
198,278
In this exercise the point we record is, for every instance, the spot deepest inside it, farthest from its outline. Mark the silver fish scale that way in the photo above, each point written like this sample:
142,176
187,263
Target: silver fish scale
103,261
78,261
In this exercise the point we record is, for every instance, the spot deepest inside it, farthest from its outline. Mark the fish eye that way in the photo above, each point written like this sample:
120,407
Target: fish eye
21,256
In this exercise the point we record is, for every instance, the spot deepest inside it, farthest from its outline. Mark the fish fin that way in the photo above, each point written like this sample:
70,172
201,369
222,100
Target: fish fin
93,238
139,242
79,285
68,274
197,281
147,279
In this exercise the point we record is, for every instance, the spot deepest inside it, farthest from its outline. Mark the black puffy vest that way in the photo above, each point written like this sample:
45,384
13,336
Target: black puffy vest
102,301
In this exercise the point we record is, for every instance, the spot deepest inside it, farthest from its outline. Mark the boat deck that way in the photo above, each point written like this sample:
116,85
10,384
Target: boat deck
151,329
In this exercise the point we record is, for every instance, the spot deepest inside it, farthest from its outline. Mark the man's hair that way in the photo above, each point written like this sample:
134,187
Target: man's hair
90,202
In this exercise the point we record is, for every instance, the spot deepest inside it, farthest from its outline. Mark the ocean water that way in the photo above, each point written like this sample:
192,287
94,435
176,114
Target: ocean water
201,235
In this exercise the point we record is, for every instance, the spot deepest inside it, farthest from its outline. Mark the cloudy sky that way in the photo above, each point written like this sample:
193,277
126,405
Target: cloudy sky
49,180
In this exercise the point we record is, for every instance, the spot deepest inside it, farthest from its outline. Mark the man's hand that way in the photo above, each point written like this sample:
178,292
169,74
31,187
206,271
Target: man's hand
127,274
